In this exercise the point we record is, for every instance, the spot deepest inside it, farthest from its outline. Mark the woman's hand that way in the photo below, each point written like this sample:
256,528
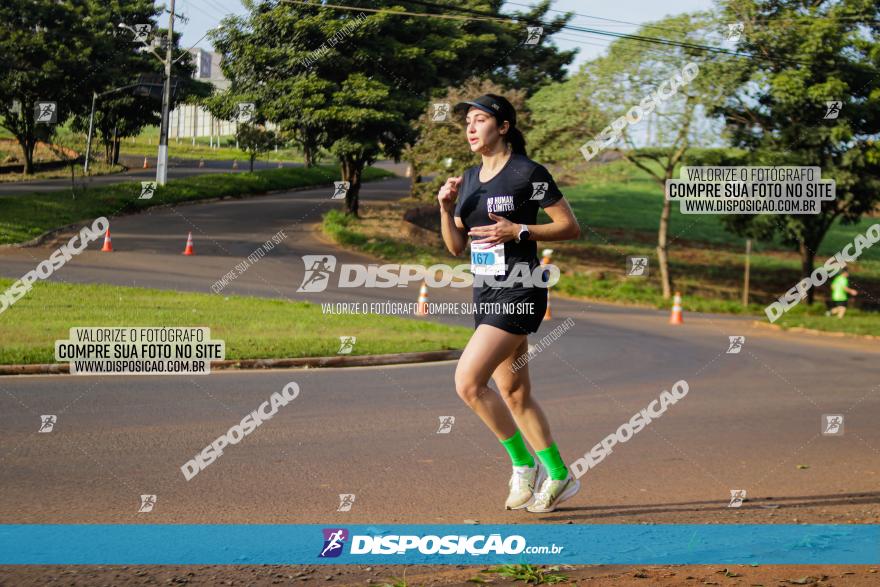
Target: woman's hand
502,231
449,193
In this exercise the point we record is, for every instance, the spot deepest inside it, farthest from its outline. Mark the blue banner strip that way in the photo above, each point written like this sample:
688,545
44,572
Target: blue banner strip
619,544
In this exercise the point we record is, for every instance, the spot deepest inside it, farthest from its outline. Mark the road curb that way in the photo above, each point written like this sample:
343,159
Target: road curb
247,364
801,329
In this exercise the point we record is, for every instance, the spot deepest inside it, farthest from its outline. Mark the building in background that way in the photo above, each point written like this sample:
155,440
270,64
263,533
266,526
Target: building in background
190,121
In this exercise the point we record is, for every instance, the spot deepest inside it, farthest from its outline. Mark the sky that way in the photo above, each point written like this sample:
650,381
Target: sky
207,14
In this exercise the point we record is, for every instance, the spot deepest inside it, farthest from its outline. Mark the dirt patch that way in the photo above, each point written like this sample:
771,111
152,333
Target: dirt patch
446,575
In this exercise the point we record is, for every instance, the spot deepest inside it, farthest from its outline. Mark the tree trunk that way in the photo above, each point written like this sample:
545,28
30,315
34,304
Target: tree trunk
116,148
253,156
807,259
27,147
662,248
352,169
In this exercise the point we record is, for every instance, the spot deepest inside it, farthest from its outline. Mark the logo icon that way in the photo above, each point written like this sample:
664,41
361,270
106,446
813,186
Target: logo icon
737,497
833,109
539,190
246,111
334,540
446,423
141,32
46,112
341,188
734,31
832,424
47,423
441,112
346,500
147,503
636,266
148,188
533,35
346,345
736,344
317,272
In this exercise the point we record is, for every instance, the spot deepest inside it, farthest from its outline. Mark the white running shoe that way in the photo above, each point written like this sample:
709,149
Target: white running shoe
553,492
522,485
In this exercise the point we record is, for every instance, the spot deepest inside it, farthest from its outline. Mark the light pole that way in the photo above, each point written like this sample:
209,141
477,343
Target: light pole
162,161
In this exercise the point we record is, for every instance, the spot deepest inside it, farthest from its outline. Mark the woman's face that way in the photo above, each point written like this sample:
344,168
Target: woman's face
482,131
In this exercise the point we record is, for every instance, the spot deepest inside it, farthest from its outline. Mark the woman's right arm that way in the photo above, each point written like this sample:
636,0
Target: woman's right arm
454,234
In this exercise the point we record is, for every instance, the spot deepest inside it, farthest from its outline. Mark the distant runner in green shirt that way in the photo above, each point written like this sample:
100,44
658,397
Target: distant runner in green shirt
840,292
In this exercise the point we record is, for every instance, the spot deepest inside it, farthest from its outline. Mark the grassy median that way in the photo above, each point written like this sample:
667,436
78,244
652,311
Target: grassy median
251,327
26,216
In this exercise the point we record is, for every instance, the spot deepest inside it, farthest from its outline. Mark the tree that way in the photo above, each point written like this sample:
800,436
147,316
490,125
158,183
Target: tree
352,82
254,140
671,87
562,114
816,52
60,52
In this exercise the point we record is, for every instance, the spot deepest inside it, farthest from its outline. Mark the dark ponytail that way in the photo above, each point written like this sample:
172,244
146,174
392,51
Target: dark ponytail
516,140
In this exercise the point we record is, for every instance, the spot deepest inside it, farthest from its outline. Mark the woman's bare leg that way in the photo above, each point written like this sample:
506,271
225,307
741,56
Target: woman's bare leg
488,347
515,389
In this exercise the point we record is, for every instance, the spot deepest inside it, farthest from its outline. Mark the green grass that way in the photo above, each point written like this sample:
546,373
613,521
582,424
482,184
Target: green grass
147,143
529,574
624,198
344,230
251,327
96,168
23,217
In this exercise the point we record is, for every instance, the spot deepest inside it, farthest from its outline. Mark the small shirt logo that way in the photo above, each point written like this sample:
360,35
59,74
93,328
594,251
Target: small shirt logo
499,204
539,189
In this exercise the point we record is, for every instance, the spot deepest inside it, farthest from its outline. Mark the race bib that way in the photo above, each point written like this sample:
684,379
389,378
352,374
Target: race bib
487,259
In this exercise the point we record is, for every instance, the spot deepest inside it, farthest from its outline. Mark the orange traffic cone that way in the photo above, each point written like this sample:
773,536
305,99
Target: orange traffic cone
234,164
422,307
108,244
546,255
146,164
189,245
201,163
675,317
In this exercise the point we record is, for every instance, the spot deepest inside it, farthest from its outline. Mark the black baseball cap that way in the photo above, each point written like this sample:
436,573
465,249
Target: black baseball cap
496,105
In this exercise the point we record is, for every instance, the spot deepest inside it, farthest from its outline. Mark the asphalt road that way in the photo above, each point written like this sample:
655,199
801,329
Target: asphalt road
750,420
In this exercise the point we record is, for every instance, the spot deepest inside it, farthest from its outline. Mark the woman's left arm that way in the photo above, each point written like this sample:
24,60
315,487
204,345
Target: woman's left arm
563,226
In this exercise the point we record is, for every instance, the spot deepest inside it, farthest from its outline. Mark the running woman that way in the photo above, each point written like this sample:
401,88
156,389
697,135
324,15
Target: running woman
496,204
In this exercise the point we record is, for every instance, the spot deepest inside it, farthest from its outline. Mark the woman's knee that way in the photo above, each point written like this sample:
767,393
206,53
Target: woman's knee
515,394
468,387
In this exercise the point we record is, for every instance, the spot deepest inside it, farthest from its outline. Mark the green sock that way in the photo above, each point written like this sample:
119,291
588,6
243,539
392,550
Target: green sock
553,462
519,454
